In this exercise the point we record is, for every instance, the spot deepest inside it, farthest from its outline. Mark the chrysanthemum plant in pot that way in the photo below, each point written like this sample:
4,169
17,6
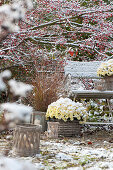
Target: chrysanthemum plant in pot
106,72
68,114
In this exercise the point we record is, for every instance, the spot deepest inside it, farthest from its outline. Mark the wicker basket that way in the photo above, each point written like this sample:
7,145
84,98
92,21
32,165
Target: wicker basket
99,84
108,82
105,83
26,139
67,129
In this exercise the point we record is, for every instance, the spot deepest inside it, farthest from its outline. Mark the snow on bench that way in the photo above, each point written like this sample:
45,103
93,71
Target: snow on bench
80,78
82,69
78,74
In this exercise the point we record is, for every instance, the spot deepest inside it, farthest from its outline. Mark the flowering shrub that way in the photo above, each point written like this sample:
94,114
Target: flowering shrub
106,68
65,108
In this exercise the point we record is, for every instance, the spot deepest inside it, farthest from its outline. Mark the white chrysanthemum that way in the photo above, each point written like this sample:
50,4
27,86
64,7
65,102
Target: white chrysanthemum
106,68
65,108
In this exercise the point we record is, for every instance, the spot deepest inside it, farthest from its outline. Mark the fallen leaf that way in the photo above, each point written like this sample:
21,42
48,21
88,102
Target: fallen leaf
89,143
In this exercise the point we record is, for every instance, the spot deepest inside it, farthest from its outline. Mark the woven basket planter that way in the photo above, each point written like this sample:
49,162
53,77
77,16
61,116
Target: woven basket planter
66,129
108,82
26,140
99,84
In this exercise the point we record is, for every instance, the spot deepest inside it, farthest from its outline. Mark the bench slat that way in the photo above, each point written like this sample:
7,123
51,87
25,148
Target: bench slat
82,69
91,94
98,123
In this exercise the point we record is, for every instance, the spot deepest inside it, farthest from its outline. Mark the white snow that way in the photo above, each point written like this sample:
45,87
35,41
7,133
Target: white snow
16,111
62,156
5,74
14,164
19,88
74,153
2,85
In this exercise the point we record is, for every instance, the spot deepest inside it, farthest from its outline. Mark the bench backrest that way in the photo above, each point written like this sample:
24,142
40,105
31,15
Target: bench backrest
82,69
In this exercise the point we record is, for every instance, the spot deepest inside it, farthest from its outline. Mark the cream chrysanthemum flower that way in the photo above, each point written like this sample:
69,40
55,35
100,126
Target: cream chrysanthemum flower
65,108
106,68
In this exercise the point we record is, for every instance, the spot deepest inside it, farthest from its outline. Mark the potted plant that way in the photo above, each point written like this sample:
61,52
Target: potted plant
106,71
68,113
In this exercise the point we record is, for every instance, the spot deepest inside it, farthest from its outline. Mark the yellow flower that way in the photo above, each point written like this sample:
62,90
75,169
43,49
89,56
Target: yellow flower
65,108
105,68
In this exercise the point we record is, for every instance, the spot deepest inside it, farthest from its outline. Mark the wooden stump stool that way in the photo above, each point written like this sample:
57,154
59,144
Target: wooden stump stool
26,139
52,130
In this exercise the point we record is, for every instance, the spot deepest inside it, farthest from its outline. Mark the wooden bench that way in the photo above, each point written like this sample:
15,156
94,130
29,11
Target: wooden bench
86,73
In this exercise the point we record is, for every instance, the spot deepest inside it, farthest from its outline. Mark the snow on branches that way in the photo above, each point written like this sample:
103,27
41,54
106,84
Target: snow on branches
11,14
52,27
3,77
14,112
19,88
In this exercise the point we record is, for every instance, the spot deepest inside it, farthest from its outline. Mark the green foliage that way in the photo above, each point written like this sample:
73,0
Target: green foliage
97,109
78,20
85,3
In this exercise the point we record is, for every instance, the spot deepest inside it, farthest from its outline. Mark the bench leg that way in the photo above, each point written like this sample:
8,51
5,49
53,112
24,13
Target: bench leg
110,109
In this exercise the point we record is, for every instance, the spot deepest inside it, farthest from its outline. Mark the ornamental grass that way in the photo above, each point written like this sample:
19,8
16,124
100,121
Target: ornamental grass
47,89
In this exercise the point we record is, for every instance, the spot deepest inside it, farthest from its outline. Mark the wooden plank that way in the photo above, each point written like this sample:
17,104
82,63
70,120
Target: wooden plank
82,69
91,94
98,123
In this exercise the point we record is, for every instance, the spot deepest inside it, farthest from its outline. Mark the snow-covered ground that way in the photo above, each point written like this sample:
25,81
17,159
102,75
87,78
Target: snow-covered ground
92,152
89,152
72,154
